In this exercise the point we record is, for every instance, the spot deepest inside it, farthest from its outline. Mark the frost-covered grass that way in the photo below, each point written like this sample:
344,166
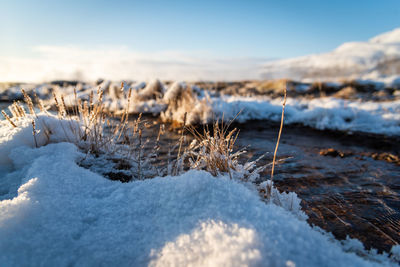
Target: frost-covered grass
184,105
214,151
88,125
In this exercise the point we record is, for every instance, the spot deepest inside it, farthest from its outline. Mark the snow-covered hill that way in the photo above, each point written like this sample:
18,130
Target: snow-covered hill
378,59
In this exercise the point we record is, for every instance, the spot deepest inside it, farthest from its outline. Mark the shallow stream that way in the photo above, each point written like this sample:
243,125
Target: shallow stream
351,194
346,192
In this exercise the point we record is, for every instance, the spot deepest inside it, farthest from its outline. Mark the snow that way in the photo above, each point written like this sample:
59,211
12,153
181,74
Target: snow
152,90
352,60
242,247
62,214
322,113
387,37
173,92
14,92
61,131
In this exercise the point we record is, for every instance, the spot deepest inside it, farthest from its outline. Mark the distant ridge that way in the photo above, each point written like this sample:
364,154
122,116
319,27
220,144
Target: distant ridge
375,59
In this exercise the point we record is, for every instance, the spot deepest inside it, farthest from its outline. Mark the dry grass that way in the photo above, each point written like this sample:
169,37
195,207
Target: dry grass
102,133
279,134
214,150
8,119
88,125
270,86
269,187
185,107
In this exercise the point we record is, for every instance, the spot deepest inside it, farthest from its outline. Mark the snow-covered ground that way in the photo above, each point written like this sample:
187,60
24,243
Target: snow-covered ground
322,113
171,102
54,212
377,59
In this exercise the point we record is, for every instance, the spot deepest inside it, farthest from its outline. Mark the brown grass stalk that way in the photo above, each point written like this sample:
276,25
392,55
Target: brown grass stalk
8,119
278,140
28,101
34,132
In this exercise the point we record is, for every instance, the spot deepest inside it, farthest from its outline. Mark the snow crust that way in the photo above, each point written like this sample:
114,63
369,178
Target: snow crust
65,215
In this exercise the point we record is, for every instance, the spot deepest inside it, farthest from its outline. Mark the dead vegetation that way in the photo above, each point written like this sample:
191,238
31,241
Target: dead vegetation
91,127
213,151
184,105
117,143
114,144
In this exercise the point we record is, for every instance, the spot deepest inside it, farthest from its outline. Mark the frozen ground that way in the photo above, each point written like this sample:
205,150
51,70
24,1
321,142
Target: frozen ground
54,212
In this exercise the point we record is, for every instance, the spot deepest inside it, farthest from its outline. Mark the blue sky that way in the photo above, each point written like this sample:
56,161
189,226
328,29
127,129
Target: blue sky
271,29
185,31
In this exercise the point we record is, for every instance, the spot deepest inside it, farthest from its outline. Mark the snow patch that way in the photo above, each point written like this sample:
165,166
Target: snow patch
212,244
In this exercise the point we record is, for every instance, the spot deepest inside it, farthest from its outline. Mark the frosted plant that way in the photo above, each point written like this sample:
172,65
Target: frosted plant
214,151
89,125
181,100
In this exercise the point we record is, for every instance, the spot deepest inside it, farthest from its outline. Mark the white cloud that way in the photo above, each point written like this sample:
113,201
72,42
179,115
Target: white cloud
119,63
